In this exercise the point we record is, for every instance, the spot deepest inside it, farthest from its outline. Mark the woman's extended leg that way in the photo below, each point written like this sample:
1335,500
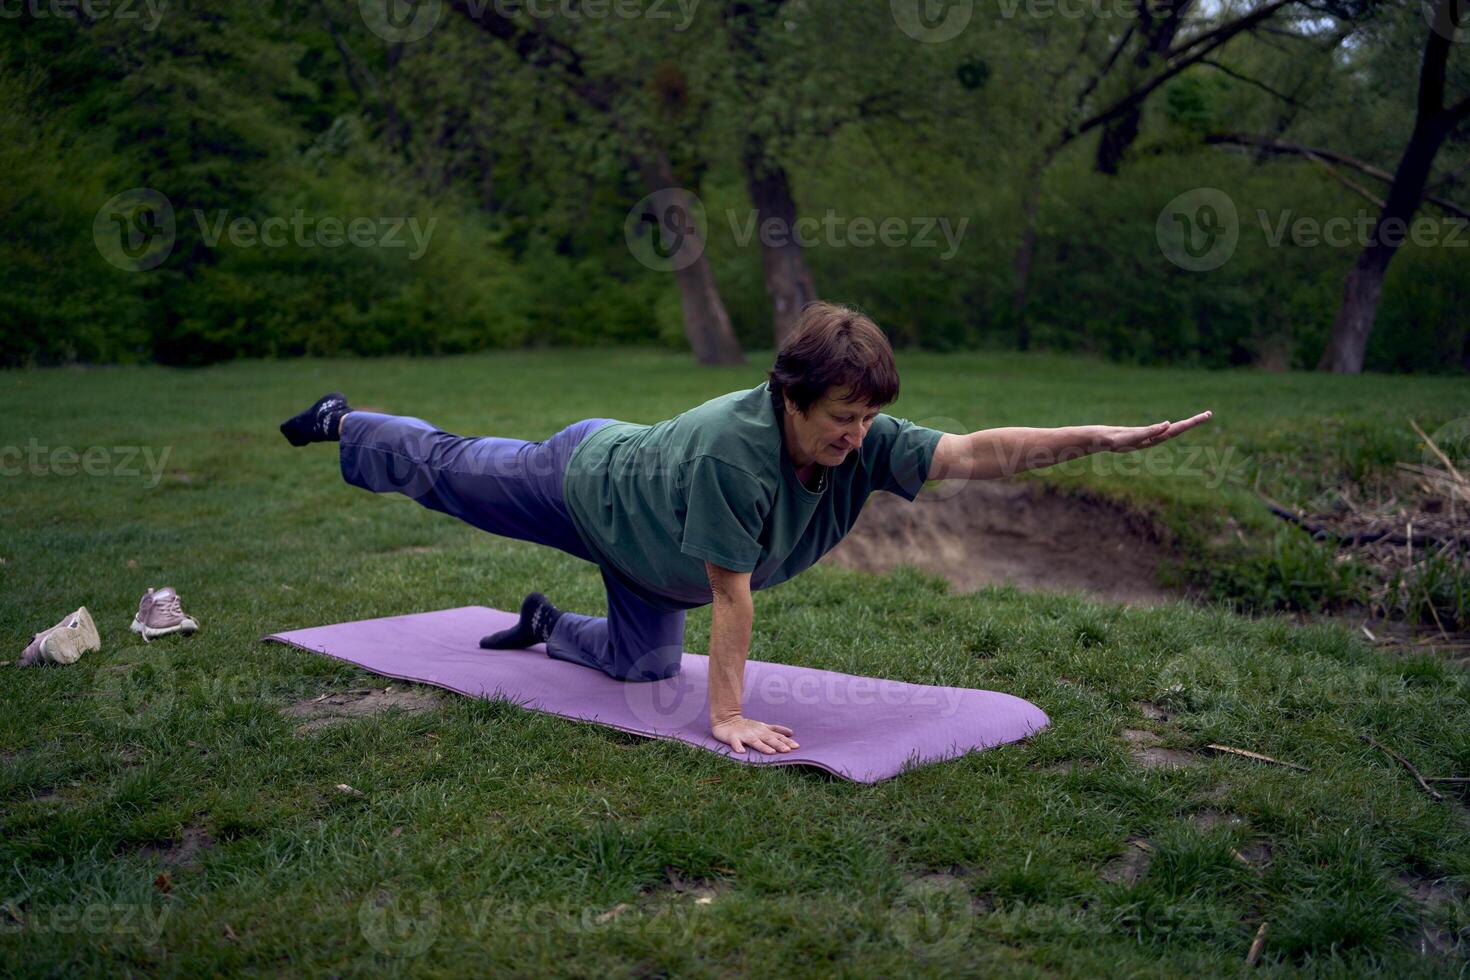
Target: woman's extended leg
509,487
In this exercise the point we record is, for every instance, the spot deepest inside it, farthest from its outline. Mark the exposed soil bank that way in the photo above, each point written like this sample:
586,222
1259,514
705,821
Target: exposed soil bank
1022,532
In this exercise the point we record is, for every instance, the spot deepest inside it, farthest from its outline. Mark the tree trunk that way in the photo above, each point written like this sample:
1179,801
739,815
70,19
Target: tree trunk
1364,286
788,280
1432,123
1117,137
783,261
1026,247
706,322
1158,23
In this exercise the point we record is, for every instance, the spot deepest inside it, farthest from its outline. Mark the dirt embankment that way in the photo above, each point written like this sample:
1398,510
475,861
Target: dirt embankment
1021,532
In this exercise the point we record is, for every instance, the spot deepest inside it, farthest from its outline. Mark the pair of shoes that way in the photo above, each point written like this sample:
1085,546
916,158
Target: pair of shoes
63,643
160,614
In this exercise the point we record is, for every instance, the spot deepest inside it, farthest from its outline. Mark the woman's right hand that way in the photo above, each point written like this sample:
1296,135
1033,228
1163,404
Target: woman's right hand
741,733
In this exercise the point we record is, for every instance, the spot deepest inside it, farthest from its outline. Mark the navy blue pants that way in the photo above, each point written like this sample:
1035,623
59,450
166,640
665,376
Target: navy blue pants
513,488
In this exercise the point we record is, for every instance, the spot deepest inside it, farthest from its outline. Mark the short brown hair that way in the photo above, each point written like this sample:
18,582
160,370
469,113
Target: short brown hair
835,346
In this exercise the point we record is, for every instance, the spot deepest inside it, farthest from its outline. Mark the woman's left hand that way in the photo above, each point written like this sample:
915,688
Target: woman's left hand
1126,439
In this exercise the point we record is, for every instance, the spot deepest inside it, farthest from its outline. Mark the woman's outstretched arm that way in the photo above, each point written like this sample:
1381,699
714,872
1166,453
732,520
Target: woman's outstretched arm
992,453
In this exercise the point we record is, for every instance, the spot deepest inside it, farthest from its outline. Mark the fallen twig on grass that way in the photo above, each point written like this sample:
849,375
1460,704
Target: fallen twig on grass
1440,453
1247,753
1405,763
1257,944
613,913
1385,536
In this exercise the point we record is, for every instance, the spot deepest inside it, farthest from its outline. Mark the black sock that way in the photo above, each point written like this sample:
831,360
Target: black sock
538,619
319,423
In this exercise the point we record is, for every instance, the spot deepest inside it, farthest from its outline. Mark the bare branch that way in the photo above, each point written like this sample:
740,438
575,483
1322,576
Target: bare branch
1320,156
1177,60
1250,81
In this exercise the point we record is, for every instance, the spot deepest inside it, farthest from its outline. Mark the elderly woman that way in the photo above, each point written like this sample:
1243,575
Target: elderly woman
738,494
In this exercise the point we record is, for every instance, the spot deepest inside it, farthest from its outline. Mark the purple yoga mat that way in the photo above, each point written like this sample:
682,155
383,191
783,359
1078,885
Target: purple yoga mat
859,728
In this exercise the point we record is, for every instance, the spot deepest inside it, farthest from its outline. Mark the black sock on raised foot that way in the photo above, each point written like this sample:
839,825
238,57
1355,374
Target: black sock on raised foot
538,619
319,423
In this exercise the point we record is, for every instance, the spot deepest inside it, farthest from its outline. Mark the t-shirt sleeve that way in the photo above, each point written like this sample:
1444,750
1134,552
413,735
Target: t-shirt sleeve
901,455
725,511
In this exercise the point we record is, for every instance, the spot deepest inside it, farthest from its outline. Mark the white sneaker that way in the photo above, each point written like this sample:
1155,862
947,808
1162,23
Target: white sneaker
159,614
65,642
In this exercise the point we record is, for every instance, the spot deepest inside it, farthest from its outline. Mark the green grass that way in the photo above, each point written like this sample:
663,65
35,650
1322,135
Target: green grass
490,840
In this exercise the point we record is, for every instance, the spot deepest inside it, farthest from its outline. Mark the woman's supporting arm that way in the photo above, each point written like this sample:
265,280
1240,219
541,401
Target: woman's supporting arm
732,616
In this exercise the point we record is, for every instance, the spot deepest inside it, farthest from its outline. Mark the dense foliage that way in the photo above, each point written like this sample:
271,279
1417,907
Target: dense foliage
497,200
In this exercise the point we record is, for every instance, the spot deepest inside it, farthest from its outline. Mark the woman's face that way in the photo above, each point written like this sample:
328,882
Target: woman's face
829,430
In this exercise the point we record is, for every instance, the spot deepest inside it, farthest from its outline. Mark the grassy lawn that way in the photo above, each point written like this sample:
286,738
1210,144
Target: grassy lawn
159,813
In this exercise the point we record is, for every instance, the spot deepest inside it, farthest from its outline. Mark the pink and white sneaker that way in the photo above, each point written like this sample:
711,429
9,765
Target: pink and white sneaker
160,614
63,643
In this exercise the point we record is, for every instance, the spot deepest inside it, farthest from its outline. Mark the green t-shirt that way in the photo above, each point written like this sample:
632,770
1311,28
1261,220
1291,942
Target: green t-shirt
654,502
